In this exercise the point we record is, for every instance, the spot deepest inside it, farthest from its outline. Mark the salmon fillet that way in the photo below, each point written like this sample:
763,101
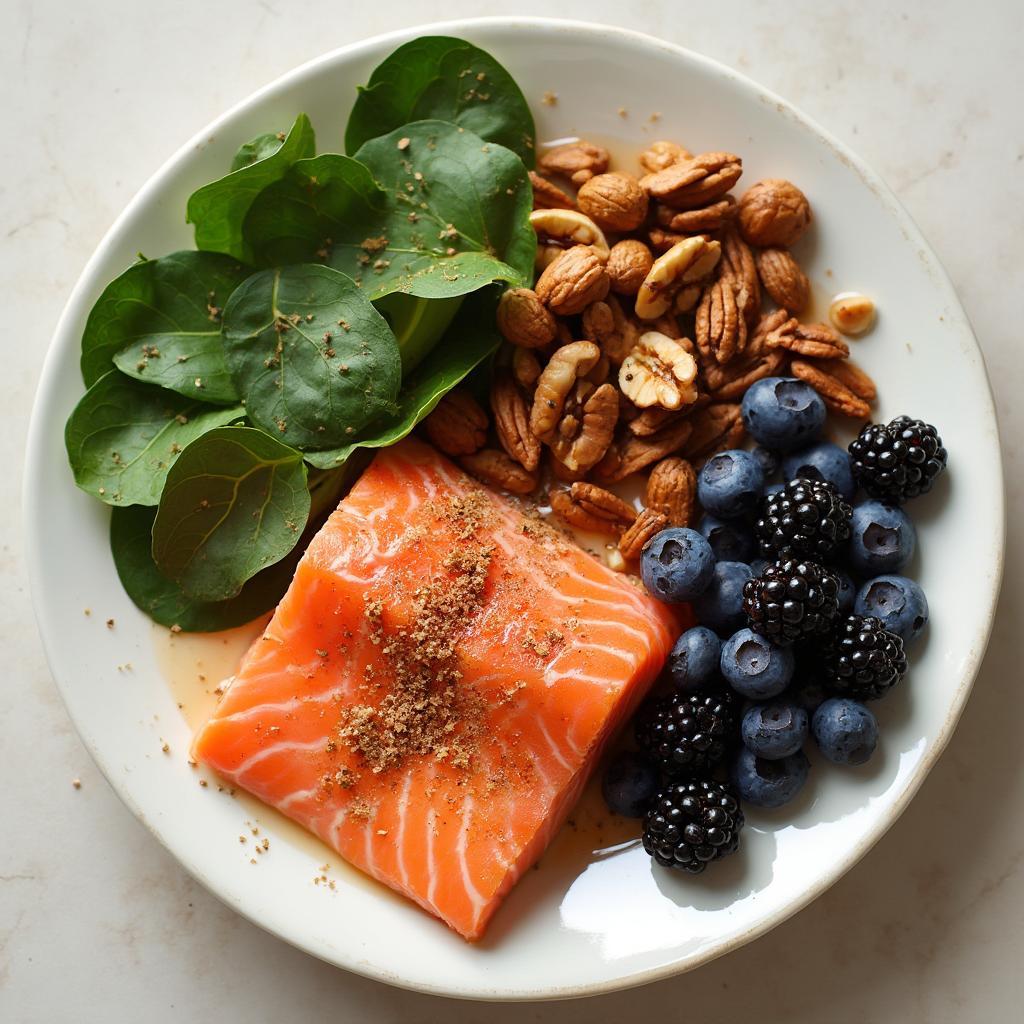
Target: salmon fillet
436,685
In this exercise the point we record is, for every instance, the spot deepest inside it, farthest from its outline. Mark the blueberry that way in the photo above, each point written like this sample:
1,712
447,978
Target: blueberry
693,661
729,541
774,488
754,667
720,607
767,783
770,461
774,730
783,413
845,730
677,564
758,566
630,784
882,538
899,602
822,461
809,694
730,483
847,591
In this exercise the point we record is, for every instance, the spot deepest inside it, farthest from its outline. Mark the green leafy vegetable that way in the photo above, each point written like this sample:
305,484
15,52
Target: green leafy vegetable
219,208
123,437
469,341
257,149
315,362
437,77
417,324
159,322
429,210
235,502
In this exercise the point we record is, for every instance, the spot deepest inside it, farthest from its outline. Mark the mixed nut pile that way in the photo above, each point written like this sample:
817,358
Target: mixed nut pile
645,327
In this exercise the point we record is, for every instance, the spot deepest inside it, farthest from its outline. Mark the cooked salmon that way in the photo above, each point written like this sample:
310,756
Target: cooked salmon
436,685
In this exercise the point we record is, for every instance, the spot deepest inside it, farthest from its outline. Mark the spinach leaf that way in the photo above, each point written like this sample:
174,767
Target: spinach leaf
430,210
131,541
417,324
235,502
437,77
169,306
123,437
259,148
219,208
314,361
470,340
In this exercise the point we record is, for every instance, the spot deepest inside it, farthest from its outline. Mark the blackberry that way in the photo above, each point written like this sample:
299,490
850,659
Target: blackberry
862,659
899,460
807,517
692,824
791,600
686,735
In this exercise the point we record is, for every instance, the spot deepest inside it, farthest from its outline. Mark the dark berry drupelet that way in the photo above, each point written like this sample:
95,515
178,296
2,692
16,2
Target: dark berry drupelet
862,659
692,824
807,517
899,460
792,600
686,735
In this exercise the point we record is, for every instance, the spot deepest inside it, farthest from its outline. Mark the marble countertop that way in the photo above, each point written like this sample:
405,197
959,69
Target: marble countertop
97,923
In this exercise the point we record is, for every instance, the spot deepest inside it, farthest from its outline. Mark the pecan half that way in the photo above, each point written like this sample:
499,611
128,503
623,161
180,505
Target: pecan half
558,230
662,240
711,427
647,526
662,154
651,420
739,267
706,218
577,161
684,264
694,182
494,467
524,320
526,369
757,343
773,212
615,201
850,374
719,329
632,454
672,490
659,371
629,262
587,426
575,515
573,281
548,196
816,341
608,324
458,426
835,392
783,279
593,508
727,383
512,422
565,367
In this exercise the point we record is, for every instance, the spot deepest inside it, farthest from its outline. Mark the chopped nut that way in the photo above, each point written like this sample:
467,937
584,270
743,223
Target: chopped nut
712,217
684,264
739,268
458,426
588,425
835,392
711,426
659,371
850,312
577,161
773,212
633,454
648,525
512,422
497,469
607,323
629,262
783,279
719,329
816,341
548,196
524,320
573,281
558,230
663,154
615,202
558,378
672,490
695,182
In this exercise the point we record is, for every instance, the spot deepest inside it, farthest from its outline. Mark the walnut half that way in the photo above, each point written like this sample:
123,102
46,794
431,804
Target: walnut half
659,371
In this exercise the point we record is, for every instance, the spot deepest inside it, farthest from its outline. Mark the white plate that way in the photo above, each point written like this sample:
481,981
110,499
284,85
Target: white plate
581,924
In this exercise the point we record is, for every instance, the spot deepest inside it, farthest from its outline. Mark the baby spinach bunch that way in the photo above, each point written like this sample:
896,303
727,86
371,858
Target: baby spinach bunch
330,303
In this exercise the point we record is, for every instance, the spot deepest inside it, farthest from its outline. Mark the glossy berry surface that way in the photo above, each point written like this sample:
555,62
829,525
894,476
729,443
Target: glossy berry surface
754,667
774,730
693,824
782,413
806,517
899,460
730,484
882,538
720,607
862,659
822,461
899,603
792,600
686,735
677,565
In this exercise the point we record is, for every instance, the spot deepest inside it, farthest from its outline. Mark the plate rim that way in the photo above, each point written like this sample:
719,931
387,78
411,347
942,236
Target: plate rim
32,495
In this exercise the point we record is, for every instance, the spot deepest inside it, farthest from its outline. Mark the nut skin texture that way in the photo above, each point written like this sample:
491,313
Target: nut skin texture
684,264
647,526
526,369
607,324
577,161
773,212
713,427
836,393
497,469
573,513
706,218
512,423
636,453
740,269
783,279
573,281
547,196
719,327
662,154
592,428
458,426
615,202
558,378
658,372
524,320
672,490
696,182
815,341
629,262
